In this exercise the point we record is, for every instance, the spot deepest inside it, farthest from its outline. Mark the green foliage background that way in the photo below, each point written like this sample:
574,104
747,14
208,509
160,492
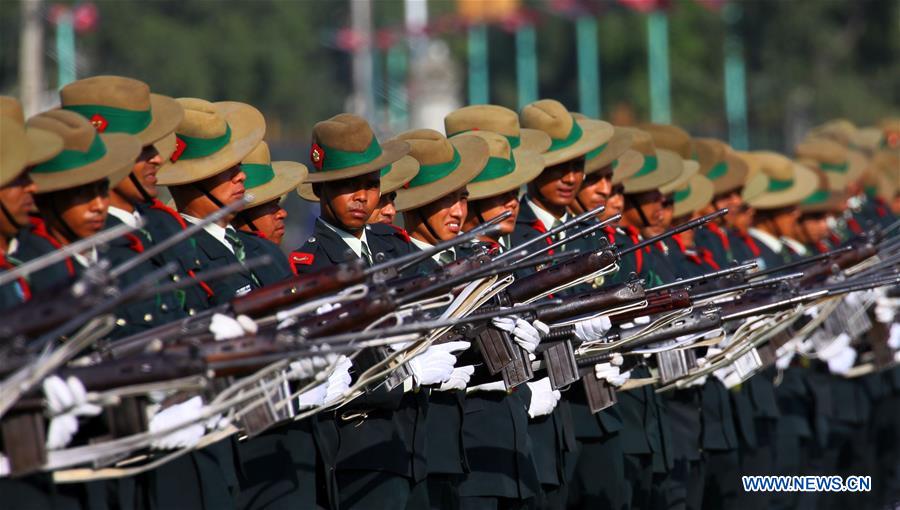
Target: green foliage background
808,60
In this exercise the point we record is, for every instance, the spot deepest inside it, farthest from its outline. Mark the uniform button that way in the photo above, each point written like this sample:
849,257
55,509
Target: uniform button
175,278
192,311
148,317
164,307
120,322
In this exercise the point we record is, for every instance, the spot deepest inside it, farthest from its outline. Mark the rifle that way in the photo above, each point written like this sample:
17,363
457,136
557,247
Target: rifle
812,259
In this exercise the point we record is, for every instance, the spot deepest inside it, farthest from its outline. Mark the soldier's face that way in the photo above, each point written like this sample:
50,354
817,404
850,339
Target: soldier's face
145,169
268,218
228,186
615,204
649,203
596,189
18,199
445,216
559,183
731,200
813,228
83,209
352,201
385,212
785,221
661,222
491,207
743,218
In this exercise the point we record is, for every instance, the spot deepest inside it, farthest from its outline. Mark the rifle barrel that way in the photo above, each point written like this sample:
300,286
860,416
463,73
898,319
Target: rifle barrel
703,220
555,230
707,277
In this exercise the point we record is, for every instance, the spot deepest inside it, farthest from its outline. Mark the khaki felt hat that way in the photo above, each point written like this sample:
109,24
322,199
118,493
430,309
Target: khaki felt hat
115,104
14,153
839,130
720,164
393,177
660,166
344,146
445,166
501,120
87,156
269,180
41,145
506,169
789,183
822,199
840,164
693,195
608,153
570,138
211,138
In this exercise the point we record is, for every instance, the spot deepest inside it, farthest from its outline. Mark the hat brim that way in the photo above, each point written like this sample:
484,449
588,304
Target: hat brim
628,164
734,177
473,156
288,175
121,152
166,115
594,134
402,171
247,129
617,145
533,140
43,145
528,166
833,203
805,183
701,194
688,171
391,151
14,156
669,167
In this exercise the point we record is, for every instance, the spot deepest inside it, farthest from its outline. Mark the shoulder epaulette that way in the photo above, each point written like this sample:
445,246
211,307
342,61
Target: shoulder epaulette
159,206
299,258
39,228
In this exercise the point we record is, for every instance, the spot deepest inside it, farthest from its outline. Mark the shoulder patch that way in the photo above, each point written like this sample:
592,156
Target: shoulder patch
302,258
400,232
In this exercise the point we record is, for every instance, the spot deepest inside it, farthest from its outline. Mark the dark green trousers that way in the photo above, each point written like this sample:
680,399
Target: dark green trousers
639,478
373,490
599,475
491,503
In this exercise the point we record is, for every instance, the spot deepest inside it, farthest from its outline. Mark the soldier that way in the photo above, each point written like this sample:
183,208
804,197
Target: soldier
545,206
373,468
501,470
260,224
642,441
205,175
434,207
22,148
598,437
115,104
776,216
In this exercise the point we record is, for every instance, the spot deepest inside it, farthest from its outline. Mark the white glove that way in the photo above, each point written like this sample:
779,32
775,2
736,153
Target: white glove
313,397
528,336
784,361
435,365
307,368
834,348
886,309
894,337
66,400
459,378
636,322
183,437
327,307
611,373
592,329
841,362
491,386
543,398
224,327
339,381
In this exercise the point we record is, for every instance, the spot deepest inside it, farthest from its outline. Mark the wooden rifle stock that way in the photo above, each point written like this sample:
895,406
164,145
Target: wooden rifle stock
297,289
657,302
844,260
592,302
551,277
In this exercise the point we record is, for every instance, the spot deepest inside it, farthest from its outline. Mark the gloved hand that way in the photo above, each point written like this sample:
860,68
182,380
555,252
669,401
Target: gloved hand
66,401
894,337
327,307
339,380
886,309
543,398
183,437
784,361
527,335
224,327
308,367
313,397
637,322
491,386
611,373
435,364
842,361
459,378
834,348
592,329
696,383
